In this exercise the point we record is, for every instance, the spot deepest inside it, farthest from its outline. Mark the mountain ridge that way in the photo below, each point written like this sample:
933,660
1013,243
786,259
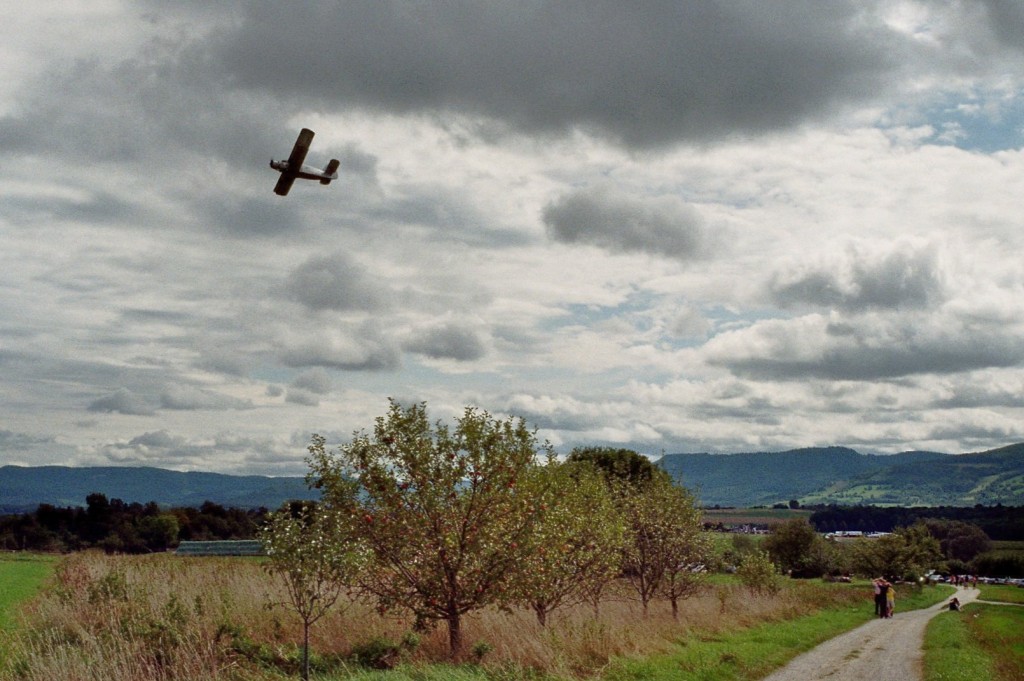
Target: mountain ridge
25,487
811,475
843,476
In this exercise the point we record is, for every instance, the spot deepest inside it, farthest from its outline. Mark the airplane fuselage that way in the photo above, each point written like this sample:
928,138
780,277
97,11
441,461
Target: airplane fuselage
305,172
294,168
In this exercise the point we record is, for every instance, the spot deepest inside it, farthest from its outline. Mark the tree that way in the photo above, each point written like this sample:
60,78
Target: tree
620,464
308,551
757,572
578,545
441,510
159,532
797,549
959,540
665,543
905,554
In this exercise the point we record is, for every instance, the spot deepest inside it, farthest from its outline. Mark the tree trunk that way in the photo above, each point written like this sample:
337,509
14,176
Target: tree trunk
542,615
454,635
305,651
675,608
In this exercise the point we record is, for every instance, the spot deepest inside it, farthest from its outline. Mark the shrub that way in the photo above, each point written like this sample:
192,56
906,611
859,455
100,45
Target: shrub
758,573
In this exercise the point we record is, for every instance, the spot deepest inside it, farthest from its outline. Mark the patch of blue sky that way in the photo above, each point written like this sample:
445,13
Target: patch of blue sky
982,124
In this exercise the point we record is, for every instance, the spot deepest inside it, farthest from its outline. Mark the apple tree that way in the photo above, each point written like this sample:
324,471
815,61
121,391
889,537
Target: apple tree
445,512
666,546
577,547
307,550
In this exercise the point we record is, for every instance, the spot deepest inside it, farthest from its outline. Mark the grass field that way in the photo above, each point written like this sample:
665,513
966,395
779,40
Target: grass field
753,516
981,643
1002,593
21,576
754,652
137,618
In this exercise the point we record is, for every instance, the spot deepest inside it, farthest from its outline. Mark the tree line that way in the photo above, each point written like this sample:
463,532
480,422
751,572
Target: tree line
440,521
119,527
998,522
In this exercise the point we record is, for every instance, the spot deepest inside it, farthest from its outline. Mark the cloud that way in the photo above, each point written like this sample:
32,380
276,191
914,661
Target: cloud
447,341
302,397
315,381
364,347
234,454
122,401
336,283
864,349
620,224
189,398
903,278
647,76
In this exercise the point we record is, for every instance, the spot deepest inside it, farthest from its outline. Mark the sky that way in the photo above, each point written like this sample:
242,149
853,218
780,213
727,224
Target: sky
673,227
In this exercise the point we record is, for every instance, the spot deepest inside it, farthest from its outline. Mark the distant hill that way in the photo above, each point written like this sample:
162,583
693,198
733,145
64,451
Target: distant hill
25,487
838,475
821,475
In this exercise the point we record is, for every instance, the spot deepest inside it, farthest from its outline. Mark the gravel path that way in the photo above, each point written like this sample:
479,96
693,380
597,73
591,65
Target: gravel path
882,649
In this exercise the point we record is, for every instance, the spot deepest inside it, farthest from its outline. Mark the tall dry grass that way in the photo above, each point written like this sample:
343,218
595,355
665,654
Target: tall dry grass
161,617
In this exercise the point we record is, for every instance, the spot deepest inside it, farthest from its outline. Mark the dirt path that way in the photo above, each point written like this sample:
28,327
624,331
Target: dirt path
888,650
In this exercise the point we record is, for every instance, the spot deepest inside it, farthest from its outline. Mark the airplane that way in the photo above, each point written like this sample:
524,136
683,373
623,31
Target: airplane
293,168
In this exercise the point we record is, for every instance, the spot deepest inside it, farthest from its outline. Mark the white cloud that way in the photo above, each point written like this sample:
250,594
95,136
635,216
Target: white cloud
709,227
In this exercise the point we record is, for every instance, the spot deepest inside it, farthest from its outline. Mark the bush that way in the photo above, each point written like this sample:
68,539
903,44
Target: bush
383,653
758,573
1000,564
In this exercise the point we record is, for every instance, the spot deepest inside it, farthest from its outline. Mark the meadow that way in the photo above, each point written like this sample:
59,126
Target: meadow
166,617
982,642
21,576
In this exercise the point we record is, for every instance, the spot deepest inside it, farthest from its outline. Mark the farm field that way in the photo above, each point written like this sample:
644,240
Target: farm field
21,576
166,617
753,516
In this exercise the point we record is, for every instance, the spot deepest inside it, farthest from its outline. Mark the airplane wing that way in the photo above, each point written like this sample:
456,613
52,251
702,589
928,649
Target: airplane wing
284,183
299,151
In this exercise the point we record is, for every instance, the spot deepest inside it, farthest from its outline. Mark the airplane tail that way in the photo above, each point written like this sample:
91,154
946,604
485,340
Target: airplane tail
331,169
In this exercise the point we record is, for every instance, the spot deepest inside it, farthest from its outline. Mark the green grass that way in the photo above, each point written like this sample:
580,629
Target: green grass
753,653
742,655
1002,593
21,576
1007,545
980,643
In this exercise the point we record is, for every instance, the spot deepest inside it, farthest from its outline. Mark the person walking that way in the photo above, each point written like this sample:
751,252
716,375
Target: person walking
884,587
879,599
890,601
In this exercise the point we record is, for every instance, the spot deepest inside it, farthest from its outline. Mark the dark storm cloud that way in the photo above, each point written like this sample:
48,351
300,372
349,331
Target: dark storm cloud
1006,18
335,283
449,341
899,280
618,223
647,74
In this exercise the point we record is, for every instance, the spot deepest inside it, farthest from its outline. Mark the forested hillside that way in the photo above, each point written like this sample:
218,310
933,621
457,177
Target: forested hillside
838,475
24,488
